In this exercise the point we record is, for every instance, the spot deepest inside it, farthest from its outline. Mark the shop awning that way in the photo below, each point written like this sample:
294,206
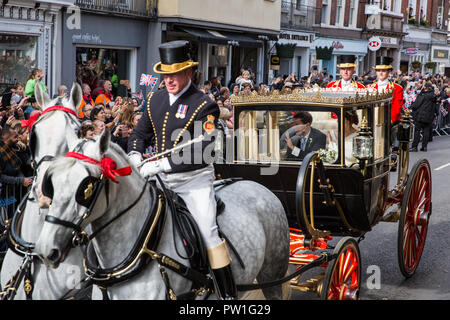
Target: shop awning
223,37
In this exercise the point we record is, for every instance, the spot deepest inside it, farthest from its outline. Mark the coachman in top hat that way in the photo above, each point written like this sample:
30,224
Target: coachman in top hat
347,69
174,115
383,67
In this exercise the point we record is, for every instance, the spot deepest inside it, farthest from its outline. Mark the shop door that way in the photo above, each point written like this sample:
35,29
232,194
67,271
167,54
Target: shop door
243,58
97,64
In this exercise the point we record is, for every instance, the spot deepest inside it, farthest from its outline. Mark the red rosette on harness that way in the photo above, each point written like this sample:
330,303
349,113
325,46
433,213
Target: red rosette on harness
107,165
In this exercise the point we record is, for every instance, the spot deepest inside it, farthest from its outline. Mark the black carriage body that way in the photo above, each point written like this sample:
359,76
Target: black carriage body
362,194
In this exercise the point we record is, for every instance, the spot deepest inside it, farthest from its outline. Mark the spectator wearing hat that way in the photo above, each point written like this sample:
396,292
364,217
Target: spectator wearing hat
347,69
181,106
383,68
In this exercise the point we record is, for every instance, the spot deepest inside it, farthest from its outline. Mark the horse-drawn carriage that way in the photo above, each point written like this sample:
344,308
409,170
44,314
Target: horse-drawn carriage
339,187
332,183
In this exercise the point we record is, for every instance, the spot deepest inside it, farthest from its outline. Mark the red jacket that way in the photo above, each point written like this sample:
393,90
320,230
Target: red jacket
337,84
397,99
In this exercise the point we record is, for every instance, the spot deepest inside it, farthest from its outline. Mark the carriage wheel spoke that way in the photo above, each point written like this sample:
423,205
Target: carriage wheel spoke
344,281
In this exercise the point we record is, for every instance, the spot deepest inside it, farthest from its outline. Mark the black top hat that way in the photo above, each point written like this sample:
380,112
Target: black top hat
175,57
347,61
383,63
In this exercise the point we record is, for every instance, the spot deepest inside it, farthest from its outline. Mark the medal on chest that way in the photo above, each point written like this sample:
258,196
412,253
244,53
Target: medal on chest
181,111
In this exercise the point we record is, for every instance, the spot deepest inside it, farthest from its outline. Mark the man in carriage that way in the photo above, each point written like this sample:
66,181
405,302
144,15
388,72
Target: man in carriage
180,106
347,69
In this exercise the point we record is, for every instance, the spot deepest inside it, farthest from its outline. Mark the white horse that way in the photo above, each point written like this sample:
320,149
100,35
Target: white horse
254,221
53,134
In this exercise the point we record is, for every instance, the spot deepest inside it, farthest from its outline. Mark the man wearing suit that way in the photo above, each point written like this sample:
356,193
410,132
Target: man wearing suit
174,115
308,139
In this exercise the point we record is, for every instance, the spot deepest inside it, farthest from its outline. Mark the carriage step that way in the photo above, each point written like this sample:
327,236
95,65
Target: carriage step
392,216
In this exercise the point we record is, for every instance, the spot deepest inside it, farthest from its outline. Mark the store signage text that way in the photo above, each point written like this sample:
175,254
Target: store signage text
337,45
388,40
411,51
297,37
87,38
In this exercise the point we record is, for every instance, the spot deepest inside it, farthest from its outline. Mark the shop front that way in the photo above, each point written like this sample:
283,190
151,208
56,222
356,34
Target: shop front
337,48
440,59
106,48
26,38
223,53
299,62
416,48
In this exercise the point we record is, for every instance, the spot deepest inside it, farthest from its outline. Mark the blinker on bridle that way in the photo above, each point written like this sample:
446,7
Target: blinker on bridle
88,192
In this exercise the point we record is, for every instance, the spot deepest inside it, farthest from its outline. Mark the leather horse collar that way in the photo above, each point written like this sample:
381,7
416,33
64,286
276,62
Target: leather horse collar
140,254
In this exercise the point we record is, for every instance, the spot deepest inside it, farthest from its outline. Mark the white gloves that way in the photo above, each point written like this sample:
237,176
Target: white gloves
151,168
135,158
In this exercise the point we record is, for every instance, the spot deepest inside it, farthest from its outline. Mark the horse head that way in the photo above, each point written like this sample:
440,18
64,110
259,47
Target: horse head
54,130
71,102
49,137
80,178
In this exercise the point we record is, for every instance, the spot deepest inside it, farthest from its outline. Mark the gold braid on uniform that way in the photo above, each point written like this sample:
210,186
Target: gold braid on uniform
151,120
189,122
163,142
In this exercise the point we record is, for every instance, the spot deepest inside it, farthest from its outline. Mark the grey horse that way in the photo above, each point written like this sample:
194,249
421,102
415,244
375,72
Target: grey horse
253,220
54,133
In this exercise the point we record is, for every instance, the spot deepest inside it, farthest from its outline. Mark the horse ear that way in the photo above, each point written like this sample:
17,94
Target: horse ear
105,140
76,95
41,96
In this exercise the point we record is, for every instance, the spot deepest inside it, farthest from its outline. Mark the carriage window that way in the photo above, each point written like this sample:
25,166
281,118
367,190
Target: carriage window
287,135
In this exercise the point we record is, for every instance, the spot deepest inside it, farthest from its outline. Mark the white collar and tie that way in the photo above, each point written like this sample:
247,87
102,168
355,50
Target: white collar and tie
174,97
383,84
347,85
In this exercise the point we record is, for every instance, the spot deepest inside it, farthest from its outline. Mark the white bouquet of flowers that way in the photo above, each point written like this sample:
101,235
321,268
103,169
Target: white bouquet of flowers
329,156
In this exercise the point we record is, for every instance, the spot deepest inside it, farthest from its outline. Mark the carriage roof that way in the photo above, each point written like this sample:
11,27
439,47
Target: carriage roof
314,97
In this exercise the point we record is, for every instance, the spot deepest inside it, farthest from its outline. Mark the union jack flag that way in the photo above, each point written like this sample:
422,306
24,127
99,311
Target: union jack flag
137,95
148,80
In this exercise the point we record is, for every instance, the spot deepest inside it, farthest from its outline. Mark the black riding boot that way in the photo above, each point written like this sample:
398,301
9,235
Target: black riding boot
225,283
220,262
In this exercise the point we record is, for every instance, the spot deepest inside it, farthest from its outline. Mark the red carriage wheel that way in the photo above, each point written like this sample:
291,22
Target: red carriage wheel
414,217
342,279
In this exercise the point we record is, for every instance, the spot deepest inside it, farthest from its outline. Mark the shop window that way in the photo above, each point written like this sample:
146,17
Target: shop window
97,64
18,56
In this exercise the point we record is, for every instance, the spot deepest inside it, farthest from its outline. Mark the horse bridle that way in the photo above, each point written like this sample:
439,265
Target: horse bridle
31,125
90,188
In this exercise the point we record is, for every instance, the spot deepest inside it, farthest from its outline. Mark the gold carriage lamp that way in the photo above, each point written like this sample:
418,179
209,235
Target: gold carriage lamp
406,128
363,142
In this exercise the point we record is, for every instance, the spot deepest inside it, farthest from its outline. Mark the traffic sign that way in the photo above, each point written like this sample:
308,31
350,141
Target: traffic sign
374,43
